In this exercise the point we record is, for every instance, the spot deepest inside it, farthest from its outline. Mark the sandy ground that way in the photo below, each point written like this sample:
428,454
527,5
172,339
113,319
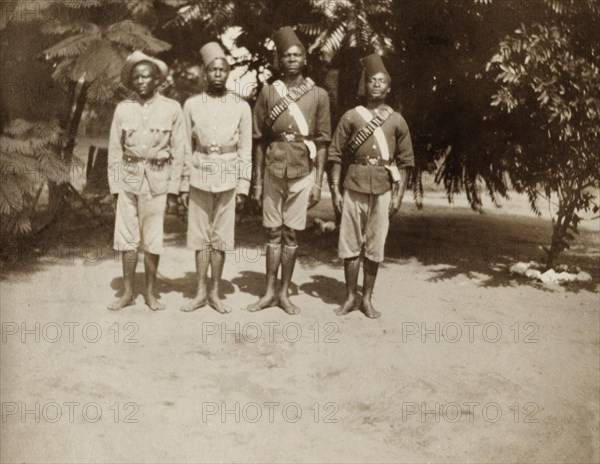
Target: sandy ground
466,364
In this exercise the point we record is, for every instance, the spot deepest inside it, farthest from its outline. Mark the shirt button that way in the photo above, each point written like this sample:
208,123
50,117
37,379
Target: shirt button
374,147
290,126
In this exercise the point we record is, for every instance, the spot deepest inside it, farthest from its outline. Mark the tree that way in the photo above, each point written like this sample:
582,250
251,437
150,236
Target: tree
332,28
438,81
471,146
549,82
99,36
94,39
27,161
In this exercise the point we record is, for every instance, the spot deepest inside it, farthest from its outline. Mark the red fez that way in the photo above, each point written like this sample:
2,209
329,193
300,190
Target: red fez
285,38
372,64
210,52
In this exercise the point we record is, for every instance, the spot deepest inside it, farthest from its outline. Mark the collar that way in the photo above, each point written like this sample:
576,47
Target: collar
301,80
148,102
377,111
217,97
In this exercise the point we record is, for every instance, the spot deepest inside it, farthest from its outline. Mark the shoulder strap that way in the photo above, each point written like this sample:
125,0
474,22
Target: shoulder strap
362,135
294,94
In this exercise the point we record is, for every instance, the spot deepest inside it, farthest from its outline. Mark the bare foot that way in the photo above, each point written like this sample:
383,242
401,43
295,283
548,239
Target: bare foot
266,301
368,309
217,304
153,303
126,300
193,305
287,305
348,306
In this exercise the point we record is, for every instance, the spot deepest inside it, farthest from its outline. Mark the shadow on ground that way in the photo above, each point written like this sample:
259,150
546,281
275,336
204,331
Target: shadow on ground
451,241
186,285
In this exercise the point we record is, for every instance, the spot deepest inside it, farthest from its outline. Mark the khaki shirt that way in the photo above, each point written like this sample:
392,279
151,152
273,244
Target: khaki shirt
154,130
223,121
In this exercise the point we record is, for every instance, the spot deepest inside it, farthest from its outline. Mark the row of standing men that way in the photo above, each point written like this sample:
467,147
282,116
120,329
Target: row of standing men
201,156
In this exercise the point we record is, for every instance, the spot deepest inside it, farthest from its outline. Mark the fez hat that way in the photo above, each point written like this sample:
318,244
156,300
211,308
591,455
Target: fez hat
285,38
372,64
138,57
210,52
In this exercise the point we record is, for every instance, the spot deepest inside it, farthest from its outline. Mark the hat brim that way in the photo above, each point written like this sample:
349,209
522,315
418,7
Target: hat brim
138,57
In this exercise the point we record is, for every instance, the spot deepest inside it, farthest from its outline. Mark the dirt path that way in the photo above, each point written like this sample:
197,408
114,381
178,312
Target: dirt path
466,364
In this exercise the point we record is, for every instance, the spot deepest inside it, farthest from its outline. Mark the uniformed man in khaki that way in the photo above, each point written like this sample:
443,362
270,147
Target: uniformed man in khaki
374,141
291,129
145,162
217,173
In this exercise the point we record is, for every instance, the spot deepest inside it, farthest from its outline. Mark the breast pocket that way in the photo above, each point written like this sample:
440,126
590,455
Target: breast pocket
129,135
161,134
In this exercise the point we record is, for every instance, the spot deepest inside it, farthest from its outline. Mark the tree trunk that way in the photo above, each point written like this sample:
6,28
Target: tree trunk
74,122
57,192
564,219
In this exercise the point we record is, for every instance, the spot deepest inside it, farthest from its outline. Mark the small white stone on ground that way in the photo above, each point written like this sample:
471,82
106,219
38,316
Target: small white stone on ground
533,273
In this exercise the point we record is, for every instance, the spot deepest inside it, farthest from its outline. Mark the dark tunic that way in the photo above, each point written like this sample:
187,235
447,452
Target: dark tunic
365,178
291,159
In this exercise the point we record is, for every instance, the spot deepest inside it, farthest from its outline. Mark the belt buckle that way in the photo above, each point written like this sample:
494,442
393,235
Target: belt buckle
290,137
214,149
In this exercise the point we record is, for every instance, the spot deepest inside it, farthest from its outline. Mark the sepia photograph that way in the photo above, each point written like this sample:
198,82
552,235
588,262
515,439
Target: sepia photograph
300,231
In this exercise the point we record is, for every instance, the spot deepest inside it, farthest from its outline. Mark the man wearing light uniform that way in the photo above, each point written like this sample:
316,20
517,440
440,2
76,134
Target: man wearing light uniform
375,141
145,159
217,173
291,129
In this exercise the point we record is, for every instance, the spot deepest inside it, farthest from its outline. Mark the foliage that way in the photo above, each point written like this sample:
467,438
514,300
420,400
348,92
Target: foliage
549,81
529,121
27,162
96,37
363,25
329,25
438,79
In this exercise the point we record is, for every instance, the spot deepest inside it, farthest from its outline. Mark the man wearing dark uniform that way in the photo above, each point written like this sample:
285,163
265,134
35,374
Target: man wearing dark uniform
375,141
145,160
291,129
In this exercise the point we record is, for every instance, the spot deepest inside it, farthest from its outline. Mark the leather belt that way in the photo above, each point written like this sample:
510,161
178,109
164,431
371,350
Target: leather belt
214,149
154,162
291,137
372,161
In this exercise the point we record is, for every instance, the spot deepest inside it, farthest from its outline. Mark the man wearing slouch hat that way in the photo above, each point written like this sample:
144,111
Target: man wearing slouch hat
291,129
145,161
217,173
374,141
